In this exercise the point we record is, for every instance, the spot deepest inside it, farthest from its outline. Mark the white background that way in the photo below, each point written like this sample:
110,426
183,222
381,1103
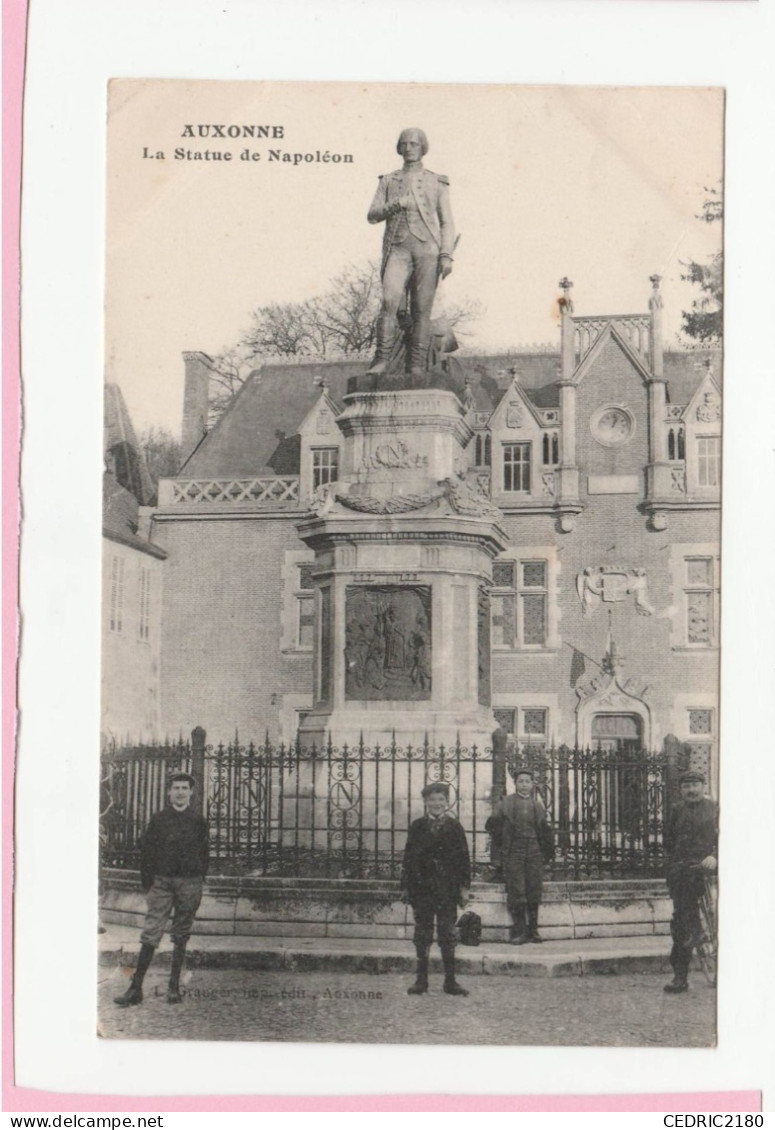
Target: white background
73,49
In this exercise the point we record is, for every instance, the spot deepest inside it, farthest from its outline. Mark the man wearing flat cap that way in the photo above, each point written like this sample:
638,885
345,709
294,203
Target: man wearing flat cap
691,839
417,250
173,864
435,880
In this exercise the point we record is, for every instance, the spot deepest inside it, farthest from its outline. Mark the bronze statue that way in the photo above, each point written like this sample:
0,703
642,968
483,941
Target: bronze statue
417,251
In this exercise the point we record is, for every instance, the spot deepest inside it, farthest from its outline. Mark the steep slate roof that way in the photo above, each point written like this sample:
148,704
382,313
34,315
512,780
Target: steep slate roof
120,441
272,400
684,371
120,517
257,434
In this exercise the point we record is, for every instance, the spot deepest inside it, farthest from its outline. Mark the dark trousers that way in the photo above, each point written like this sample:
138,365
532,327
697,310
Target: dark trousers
686,888
523,872
445,913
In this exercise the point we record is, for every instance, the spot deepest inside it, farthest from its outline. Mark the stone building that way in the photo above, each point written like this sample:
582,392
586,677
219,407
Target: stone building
132,569
603,461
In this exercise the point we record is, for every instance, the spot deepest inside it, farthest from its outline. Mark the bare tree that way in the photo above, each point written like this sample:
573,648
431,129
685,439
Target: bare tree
229,371
339,323
162,453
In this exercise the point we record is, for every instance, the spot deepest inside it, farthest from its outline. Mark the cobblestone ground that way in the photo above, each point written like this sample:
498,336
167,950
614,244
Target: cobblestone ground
623,1010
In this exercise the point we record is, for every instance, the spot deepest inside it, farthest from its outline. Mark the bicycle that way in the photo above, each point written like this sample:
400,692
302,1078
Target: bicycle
706,946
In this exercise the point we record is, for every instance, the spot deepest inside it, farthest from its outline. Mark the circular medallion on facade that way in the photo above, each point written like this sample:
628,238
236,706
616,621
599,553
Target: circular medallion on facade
612,425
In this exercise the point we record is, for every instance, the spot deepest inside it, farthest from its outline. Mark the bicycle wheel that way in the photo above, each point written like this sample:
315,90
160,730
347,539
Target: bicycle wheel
706,945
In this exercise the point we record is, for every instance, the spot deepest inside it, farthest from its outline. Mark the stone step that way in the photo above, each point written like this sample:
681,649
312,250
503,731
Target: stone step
342,908
120,946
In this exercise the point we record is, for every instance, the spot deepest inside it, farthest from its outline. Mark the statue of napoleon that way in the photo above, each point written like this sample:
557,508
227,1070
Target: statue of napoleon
416,252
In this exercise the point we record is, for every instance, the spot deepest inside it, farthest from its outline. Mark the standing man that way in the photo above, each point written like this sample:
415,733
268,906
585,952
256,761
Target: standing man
520,829
173,864
435,879
416,251
691,839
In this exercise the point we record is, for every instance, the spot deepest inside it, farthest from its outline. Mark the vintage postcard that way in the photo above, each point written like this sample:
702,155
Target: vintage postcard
411,563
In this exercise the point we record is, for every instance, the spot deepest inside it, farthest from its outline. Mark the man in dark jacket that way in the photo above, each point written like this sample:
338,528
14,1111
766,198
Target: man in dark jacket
435,879
691,838
173,864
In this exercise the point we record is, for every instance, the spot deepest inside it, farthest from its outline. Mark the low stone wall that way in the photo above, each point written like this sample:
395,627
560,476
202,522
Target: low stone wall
352,908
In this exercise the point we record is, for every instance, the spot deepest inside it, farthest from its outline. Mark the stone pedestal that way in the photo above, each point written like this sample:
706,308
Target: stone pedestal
403,550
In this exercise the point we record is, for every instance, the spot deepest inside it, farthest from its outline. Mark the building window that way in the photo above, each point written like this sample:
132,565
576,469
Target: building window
528,725
676,444
533,728
519,603
708,461
534,723
325,466
701,601
507,720
700,722
701,741
551,449
516,467
117,594
144,616
483,452
305,599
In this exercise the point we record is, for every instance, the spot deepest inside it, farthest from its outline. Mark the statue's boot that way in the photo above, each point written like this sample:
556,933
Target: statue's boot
387,332
417,355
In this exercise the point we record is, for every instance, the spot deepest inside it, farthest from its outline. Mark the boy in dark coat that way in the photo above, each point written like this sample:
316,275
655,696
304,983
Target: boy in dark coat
520,829
691,839
173,864
435,879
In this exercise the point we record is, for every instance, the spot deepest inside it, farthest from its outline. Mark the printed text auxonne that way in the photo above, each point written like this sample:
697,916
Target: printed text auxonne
232,131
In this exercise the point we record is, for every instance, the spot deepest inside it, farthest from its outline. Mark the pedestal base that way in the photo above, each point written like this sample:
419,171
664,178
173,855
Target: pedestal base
377,725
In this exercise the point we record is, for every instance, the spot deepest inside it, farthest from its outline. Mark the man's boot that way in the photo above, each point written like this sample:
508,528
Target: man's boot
173,989
518,934
532,923
134,994
450,984
677,985
679,960
421,983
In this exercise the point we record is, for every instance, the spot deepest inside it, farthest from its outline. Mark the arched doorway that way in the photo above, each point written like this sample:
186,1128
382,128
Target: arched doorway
623,783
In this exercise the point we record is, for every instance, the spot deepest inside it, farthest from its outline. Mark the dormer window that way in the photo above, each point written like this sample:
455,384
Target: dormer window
325,466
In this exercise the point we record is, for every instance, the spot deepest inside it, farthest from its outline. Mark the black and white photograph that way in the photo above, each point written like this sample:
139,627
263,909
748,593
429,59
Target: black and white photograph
411,559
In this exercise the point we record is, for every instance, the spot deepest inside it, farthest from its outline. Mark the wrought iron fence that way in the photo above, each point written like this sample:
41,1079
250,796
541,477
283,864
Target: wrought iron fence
344,811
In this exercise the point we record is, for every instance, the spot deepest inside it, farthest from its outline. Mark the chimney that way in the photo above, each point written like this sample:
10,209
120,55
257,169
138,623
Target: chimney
195,400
